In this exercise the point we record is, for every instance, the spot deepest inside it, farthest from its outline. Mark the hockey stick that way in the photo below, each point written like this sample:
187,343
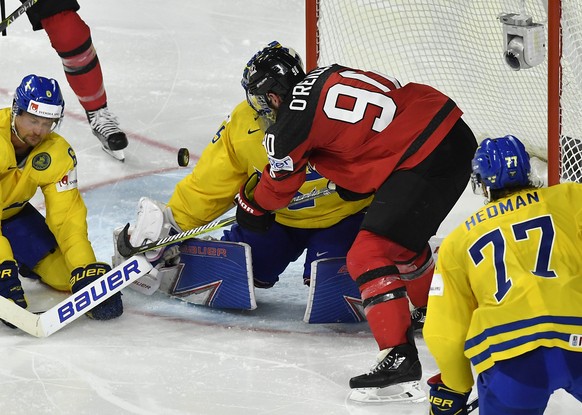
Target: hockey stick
17,13
3,14
68,310
126,250
471,406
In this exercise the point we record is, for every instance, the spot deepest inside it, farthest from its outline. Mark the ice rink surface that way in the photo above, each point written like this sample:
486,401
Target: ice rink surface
172,73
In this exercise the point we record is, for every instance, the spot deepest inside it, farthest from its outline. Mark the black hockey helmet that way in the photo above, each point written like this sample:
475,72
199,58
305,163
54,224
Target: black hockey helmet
273,69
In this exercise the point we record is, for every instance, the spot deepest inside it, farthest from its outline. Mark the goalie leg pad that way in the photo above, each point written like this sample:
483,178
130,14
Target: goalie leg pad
216,274
333,295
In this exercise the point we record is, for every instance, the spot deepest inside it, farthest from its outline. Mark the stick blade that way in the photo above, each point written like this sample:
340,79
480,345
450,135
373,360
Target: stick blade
20,317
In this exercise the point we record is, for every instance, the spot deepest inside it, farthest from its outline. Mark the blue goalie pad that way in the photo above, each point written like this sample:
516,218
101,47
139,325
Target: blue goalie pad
333,295
216,274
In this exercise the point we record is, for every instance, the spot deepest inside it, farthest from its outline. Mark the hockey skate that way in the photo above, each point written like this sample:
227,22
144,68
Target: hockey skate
106,128
395,378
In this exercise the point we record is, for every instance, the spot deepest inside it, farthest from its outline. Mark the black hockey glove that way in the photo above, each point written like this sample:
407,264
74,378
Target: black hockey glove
348,195
445,401
10,286
249,214
83,276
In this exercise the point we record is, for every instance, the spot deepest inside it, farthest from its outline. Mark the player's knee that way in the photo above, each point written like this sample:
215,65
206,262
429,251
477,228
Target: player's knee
54,271
365,254
371,251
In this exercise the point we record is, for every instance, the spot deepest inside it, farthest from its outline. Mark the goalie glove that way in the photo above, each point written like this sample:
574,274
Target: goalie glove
445,401
249,214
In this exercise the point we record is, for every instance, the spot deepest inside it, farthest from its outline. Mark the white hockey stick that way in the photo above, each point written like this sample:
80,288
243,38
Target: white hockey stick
68,310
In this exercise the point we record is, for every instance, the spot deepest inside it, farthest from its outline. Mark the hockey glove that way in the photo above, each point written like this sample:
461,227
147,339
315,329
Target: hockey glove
249,214
445,401
10,286
83,276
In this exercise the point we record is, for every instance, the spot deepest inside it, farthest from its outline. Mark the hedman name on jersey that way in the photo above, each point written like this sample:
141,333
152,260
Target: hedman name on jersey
501,207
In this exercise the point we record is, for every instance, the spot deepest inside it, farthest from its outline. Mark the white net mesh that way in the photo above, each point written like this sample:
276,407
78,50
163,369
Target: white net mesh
457,46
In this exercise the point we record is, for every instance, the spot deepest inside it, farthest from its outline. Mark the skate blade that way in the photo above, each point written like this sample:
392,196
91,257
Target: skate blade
402,392
116,154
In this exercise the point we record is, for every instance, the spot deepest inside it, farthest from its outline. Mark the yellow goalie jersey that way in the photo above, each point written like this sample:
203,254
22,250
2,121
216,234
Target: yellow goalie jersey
236,152
51,166
508,280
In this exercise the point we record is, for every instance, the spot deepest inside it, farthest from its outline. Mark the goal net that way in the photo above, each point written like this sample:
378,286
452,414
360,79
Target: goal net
458,47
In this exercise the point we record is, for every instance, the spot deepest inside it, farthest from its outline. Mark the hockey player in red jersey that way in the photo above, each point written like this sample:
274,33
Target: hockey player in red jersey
70,37
368,134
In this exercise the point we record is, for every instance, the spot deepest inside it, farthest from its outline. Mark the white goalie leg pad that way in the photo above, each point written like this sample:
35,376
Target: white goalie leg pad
154,221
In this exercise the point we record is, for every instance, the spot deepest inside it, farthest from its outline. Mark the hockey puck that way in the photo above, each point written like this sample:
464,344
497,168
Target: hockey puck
183,157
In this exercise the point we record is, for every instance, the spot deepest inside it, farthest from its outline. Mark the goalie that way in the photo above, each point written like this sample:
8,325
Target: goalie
324,227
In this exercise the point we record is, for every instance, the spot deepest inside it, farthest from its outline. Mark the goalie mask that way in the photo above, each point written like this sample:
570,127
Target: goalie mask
274,69
500,163
41,97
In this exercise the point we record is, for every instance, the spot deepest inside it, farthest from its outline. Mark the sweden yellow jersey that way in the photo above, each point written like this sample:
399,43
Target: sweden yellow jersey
508,280
51,166
236,152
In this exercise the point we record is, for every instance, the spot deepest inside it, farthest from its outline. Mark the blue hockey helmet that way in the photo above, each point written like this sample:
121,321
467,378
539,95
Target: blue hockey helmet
39,96
273,69
500,163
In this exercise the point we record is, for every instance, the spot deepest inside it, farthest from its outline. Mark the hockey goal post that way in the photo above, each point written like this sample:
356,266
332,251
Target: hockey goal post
458,47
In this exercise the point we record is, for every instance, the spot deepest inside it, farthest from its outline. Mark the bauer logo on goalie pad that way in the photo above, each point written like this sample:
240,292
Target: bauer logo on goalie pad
216,274
98,292
333,295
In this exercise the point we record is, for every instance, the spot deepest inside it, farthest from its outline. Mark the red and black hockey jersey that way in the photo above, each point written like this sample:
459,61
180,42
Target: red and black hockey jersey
354,127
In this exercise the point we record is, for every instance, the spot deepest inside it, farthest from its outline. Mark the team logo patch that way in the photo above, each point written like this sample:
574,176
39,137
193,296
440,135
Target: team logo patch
41,161
68,182
285,164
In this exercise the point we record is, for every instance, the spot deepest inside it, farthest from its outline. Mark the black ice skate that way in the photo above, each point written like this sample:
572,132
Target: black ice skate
106,128
394,378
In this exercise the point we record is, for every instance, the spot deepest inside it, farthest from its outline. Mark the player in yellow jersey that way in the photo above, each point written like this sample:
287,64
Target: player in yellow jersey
507,292
33,156
324,227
